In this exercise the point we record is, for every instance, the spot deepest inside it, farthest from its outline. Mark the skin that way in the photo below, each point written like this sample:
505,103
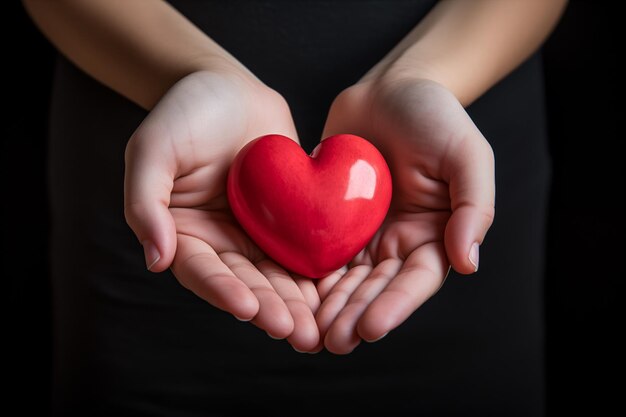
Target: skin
177,163
205,106
443,201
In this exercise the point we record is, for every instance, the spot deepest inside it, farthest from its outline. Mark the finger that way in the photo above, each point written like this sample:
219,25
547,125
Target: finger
325,285
309,291
305,335
199,269
420,277
338,297
322,287
273,316
470,167
148,182
342,336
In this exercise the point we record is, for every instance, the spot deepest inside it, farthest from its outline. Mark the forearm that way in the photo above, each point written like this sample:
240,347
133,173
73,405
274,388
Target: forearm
137,48
469,45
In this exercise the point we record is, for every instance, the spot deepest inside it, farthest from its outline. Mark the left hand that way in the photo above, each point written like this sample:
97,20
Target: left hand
175,201
442,206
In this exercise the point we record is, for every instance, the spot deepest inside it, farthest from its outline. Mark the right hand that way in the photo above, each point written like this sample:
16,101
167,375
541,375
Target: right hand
442,205
175,201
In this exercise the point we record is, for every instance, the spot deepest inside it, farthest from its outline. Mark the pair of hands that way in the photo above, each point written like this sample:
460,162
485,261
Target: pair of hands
443,197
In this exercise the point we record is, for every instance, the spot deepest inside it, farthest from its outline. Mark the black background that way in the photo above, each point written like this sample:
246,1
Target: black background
586,228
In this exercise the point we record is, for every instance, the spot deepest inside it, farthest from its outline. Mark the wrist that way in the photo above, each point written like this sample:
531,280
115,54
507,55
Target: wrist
398,77
419,72
402,71
251,101
226,66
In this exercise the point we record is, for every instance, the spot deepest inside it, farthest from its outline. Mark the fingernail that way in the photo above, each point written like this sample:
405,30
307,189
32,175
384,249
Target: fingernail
240,319
274,337
473,255
305,351
151,253
316,151
376,340
445,278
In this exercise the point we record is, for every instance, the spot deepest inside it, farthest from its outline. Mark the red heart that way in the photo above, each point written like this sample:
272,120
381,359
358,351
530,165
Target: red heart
311,214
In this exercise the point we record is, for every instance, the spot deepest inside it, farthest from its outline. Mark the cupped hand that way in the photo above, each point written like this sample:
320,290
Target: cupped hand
443,204
175,201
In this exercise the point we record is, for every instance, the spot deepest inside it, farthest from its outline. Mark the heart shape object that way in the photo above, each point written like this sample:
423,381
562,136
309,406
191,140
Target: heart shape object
311,214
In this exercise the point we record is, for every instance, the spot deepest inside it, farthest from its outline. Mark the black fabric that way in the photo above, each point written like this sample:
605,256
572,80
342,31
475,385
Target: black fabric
128,342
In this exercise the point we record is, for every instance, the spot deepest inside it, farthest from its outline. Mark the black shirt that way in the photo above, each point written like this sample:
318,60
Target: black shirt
128,342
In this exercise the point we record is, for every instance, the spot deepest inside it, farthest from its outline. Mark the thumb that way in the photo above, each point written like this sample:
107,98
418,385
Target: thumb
148,182
472,194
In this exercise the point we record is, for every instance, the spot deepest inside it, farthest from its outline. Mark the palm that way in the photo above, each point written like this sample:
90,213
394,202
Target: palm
193,135
419,127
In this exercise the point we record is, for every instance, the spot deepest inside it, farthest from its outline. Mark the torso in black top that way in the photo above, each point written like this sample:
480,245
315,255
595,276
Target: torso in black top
128,342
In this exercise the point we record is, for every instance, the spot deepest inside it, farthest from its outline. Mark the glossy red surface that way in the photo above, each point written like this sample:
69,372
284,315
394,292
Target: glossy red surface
311,214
